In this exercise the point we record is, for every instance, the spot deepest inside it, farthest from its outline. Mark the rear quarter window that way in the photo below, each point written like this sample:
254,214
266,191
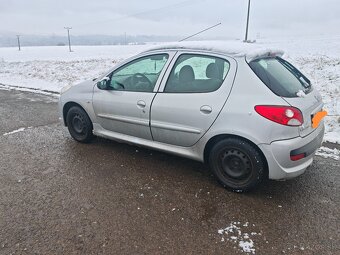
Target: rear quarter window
280,76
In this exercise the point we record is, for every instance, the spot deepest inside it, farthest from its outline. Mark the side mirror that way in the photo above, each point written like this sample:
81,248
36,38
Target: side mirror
103,83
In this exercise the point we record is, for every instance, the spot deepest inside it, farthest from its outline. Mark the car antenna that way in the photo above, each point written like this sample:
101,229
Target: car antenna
200,32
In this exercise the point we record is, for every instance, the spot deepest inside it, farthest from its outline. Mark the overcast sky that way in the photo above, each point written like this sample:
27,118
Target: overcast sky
177,17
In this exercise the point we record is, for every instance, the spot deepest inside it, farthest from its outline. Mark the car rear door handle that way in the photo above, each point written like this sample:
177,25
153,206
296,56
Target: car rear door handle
206,109
141,104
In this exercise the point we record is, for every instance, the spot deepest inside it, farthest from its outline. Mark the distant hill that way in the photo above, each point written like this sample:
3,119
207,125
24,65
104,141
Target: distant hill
10,39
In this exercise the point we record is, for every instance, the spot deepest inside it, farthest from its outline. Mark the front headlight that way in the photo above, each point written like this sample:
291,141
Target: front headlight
66,88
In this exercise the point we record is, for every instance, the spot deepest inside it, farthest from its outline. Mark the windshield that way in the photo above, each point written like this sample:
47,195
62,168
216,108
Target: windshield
281,77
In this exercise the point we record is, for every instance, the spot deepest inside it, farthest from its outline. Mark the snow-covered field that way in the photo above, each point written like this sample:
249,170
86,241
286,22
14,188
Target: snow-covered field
51,68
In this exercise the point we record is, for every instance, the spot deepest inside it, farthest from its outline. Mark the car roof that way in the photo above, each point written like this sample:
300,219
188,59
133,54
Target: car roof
230,48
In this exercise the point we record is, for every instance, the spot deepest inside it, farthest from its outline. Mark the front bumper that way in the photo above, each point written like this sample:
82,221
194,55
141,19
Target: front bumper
278,154
60,109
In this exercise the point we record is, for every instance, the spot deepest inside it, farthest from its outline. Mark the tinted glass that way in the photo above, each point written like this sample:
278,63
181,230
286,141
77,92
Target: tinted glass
139,75
280,76
197,74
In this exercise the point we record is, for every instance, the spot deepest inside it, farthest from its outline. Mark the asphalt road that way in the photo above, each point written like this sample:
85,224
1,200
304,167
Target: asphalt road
61,197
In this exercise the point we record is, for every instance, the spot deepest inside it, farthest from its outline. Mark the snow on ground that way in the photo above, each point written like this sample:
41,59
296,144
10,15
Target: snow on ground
60,53
15,131
235,233
328,153
51,68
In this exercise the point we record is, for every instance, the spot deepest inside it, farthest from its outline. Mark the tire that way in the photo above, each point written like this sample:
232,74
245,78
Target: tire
237,164
79,125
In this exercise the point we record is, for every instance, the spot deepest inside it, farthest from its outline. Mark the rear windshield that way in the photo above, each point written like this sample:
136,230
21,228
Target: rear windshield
281,77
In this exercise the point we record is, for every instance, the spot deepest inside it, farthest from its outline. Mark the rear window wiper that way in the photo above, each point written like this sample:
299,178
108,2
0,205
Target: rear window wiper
303,79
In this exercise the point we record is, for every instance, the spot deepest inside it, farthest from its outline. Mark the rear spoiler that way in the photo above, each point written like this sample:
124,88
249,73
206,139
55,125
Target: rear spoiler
264,54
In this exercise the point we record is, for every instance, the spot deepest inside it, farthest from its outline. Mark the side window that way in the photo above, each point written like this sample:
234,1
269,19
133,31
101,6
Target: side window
139,75
194,73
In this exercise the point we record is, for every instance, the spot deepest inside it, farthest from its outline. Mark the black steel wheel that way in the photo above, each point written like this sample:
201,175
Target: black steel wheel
79,125
237,164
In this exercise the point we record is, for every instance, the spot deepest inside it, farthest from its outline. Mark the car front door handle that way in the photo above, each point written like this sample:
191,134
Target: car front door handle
141,104
206,109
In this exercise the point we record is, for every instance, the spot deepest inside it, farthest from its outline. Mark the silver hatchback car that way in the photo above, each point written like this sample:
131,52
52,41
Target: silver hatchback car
247,112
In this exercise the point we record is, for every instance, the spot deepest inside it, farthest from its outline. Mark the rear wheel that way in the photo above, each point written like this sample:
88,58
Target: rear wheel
79,125
237,164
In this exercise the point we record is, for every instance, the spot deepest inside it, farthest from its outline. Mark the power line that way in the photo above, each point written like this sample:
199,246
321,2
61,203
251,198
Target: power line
201,32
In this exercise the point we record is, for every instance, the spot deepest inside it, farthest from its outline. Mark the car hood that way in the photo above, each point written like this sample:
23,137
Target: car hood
85,86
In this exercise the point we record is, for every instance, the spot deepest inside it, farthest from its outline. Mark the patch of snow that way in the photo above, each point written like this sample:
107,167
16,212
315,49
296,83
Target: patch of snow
334,135
328,153
35,91
234,233
247,246
300,93
294,247
14,131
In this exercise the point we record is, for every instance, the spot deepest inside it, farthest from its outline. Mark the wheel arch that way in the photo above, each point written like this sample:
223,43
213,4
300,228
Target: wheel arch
67,107
213,140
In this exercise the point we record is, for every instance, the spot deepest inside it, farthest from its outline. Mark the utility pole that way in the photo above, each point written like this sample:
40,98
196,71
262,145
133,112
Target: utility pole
69,39
18,38
246,38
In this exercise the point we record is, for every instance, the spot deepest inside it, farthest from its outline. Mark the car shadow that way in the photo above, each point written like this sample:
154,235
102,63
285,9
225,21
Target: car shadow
173,166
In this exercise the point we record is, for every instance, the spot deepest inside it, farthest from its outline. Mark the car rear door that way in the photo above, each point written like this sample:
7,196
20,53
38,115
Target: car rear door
191,96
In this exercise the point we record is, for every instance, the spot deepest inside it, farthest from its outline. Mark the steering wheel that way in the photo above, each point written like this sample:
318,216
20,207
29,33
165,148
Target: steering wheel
139,77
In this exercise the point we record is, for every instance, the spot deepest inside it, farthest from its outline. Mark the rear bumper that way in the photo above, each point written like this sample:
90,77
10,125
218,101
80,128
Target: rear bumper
278,154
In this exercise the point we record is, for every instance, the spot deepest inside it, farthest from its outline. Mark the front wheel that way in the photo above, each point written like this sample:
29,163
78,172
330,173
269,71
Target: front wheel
237,164
79,125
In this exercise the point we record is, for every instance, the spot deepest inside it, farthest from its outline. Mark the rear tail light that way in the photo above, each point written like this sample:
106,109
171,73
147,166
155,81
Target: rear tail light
284,115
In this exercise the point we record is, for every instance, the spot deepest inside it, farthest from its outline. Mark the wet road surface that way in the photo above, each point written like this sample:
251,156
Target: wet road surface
61,197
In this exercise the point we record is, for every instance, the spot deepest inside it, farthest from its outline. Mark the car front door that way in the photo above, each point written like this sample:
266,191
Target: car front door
122,103
191,98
